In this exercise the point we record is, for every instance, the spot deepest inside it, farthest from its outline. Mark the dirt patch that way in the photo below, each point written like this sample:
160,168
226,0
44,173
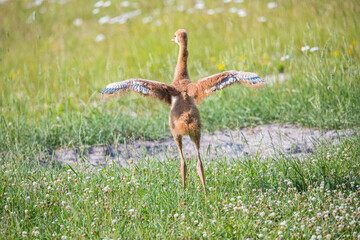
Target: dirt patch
266,140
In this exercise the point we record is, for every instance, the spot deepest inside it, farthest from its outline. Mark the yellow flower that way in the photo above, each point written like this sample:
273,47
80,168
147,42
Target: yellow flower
221,66
353,43
241,57
246,67
336,53
153,29
351,50
213,59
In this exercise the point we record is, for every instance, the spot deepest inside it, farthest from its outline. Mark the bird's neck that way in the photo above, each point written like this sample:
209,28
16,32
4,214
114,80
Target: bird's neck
181,71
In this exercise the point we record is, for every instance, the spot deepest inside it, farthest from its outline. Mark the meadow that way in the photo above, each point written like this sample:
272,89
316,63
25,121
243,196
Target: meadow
55,57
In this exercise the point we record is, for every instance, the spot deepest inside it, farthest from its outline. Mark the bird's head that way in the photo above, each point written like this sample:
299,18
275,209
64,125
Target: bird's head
180,37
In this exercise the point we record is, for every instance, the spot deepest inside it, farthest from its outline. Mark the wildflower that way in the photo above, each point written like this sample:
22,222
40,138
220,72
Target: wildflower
313,49
106,189
351,50
95,11
6,207
100,38
24,234
26,211
99,4
68,208
35,233
285,58
77,22
262,214
272,215
196,222
261,235
204,234
283,224
272,5
147,19
305,48
241,13
221,66
10,123
200,5
104,19
261,19
63,237
328,236
107,4
176,215
125,4
227,1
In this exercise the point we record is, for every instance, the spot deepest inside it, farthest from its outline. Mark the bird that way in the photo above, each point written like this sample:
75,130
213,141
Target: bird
182,96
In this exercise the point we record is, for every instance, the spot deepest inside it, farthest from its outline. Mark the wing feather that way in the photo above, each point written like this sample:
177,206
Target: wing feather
145,87
204,87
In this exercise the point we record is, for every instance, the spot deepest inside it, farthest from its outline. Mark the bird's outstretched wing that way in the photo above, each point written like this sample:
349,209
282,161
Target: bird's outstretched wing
150,88
204,87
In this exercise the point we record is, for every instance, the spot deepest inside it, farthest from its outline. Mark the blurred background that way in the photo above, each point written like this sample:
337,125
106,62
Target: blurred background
56,55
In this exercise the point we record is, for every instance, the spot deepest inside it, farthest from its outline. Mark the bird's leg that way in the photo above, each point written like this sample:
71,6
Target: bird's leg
200,169
178,140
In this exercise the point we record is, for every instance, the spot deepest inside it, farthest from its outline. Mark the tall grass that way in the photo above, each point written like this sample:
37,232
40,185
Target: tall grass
52,70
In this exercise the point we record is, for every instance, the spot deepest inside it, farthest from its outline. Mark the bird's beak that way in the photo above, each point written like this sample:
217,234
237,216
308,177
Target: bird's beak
173,40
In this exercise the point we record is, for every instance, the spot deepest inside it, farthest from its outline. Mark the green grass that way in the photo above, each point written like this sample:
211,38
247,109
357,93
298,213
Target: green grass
51,69
288,197
51,72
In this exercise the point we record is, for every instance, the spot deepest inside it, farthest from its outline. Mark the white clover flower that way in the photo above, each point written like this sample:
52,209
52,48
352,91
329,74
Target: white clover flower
262,214
107,4
313,49
196,222
241,13
24,233
95,11
106,189
200,5
104,19
272,5
77,22
272,214
125,4
261,19
210,12
233,9
26,211
328,236
305,48
176,215
99,38
68,208
35,233
261,235
99,4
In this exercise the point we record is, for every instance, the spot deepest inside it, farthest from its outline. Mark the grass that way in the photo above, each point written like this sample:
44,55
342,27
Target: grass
51,72
272,198
50,81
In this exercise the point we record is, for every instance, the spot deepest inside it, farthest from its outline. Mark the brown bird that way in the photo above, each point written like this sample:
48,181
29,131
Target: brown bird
181,95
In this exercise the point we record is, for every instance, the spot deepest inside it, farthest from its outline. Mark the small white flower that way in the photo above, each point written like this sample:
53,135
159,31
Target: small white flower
125,4
283,224
95,11
104,19
272,214
106,189
261,235
100,38
261,19
233,10
176,215
99,4
107,4
262,214
147,19
227,1
26,211
77,22
24,233
10,123
313,49
210,12
241,13
305,48
272,5
36,233
200,5
68,208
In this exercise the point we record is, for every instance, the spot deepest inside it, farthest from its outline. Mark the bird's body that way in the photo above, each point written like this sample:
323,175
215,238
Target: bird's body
181,95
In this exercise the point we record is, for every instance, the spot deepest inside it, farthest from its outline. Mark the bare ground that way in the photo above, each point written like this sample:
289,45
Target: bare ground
266,140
